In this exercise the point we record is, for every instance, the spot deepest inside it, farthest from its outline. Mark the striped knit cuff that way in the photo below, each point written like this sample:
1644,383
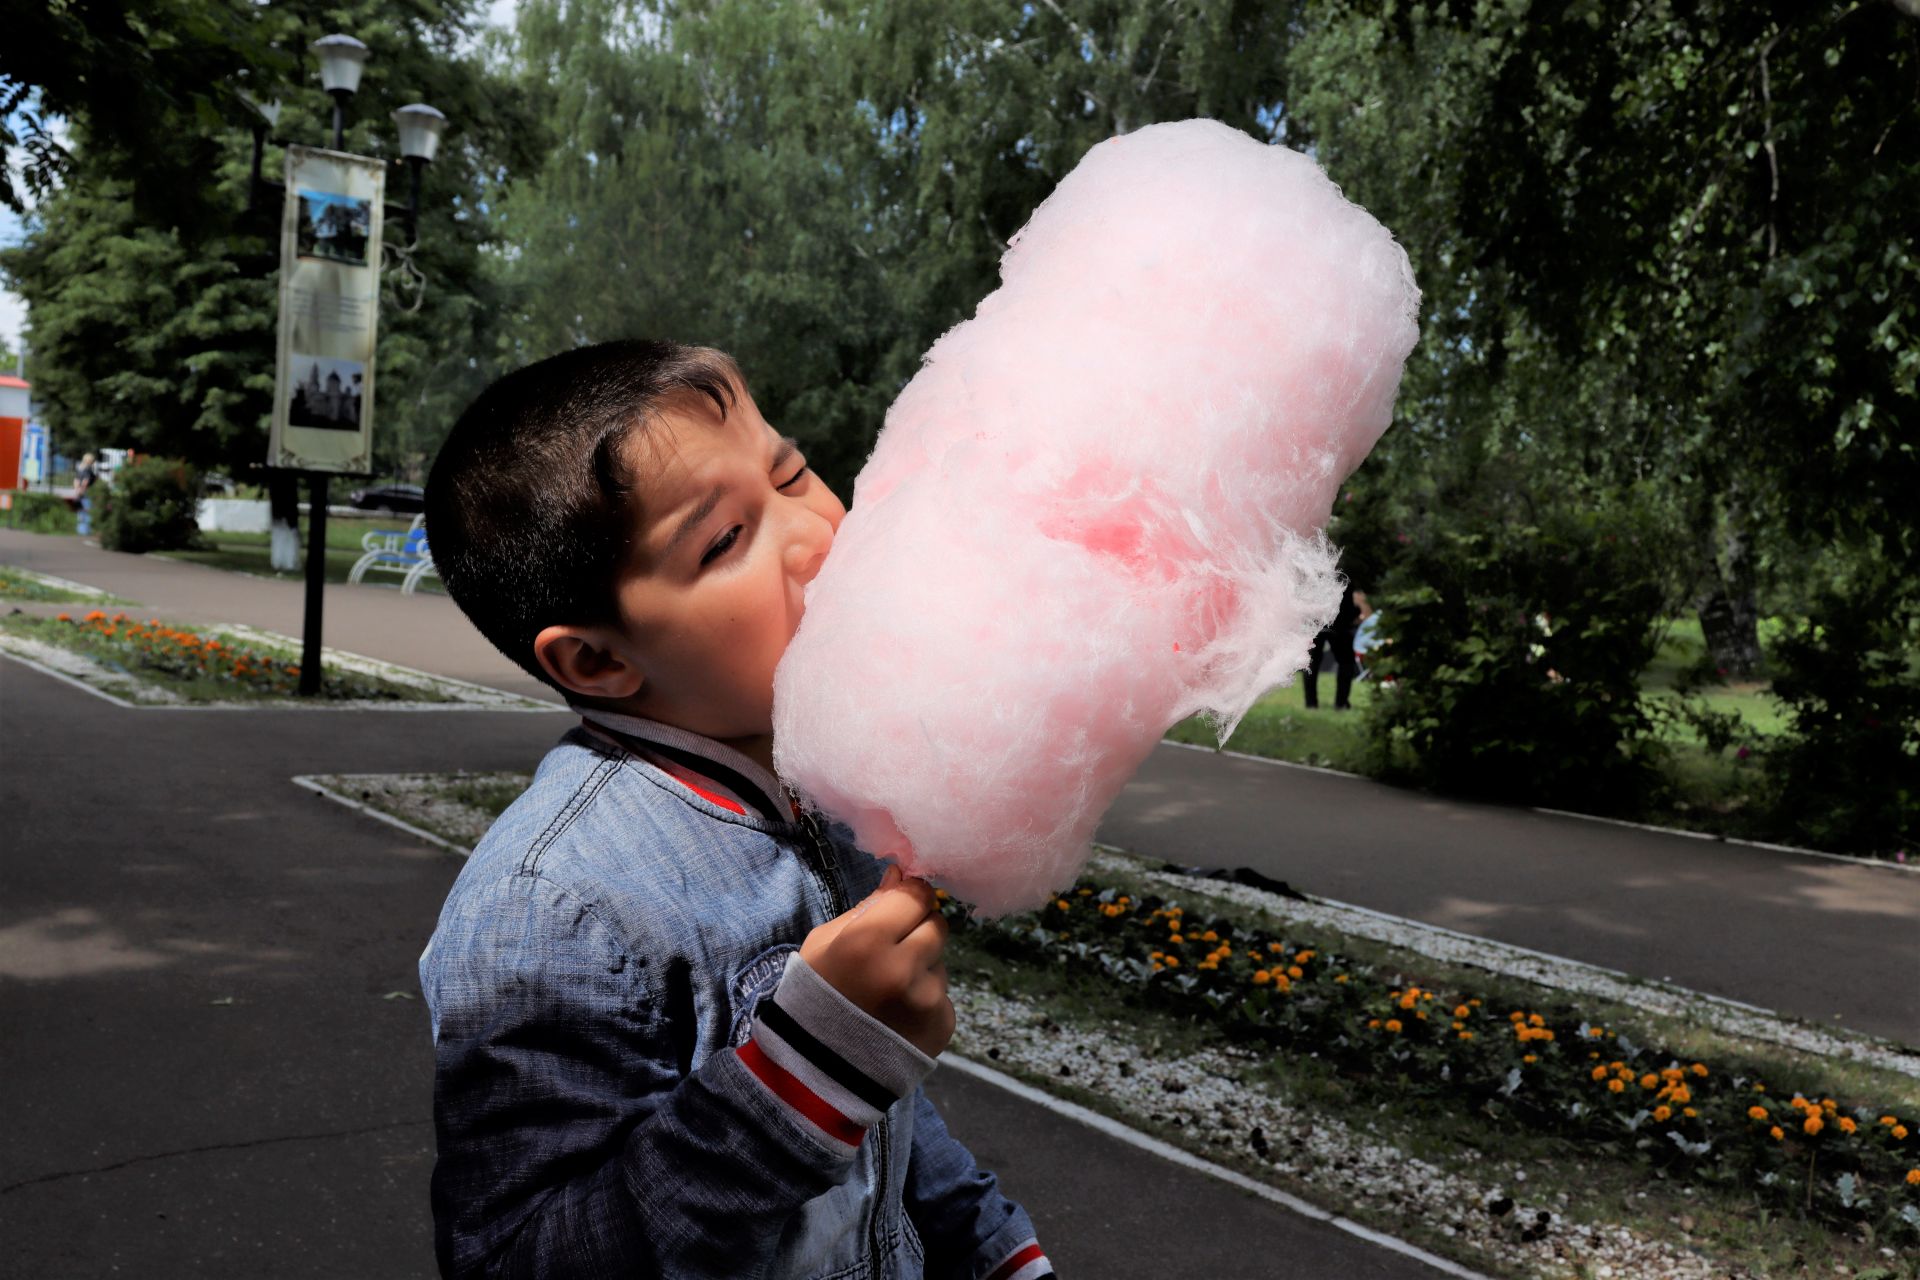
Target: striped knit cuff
1026,1262
829,1060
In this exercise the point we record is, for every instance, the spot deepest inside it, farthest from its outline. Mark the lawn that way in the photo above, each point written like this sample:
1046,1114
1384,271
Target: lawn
21,584
248,552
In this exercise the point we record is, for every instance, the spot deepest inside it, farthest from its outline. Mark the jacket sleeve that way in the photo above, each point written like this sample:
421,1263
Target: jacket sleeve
575,1137
971,1230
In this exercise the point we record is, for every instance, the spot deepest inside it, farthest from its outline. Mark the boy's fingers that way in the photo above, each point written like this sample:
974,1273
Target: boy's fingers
898,911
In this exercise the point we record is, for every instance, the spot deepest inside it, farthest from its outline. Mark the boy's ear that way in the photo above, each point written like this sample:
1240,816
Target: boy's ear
588,661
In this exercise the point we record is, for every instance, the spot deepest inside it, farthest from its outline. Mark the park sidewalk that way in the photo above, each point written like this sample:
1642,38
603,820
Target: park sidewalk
1831,941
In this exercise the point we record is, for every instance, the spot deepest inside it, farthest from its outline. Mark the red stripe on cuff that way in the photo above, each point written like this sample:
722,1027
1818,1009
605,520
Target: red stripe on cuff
788,1088
1032,1253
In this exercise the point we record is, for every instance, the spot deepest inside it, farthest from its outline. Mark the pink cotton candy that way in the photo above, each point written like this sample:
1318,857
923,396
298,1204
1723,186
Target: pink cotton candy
1097,508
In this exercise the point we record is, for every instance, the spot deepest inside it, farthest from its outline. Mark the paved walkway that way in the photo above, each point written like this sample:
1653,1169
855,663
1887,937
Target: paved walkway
208,1071
1808,936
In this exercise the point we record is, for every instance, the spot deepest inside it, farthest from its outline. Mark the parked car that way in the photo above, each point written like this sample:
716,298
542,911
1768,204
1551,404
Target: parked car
391,498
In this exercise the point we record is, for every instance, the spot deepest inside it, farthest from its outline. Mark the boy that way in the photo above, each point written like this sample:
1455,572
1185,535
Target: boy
668,1043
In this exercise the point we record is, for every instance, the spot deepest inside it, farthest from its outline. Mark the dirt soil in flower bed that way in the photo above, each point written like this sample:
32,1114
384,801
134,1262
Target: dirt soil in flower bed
148,660
1556,1144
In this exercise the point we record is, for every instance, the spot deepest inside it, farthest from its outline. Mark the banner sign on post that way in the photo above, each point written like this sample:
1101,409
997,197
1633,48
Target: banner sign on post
329,309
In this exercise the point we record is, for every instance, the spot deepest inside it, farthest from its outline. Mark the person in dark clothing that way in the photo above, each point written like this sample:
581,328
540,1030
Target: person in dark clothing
1338,636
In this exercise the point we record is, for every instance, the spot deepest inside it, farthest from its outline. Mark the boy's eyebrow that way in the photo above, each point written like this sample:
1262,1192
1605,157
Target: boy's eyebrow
788,447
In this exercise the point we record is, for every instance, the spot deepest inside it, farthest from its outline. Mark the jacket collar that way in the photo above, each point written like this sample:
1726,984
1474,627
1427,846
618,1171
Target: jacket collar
717,770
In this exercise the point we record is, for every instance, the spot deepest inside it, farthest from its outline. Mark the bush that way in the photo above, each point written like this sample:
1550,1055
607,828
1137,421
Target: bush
1514,644
39,513
1847,775
152,505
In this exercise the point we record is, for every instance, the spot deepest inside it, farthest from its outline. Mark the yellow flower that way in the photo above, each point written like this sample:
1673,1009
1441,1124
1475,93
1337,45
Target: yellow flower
1616,1086
1814,1125
1261,977
1086,893
1663,1113
1393,1025
1776,1133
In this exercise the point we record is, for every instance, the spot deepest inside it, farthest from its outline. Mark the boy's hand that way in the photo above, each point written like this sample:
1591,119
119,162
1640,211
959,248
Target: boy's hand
886,955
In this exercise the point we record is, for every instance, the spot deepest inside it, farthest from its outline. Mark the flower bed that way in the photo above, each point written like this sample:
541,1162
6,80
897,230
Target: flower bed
201,666
23,584
1548,1070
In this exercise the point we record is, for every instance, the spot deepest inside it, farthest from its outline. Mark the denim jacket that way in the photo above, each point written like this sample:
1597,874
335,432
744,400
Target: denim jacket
636,1074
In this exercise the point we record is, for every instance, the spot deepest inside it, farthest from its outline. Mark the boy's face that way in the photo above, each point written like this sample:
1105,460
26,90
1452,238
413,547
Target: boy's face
733,526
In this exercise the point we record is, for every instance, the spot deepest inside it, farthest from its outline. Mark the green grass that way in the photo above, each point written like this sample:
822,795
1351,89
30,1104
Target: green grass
18,585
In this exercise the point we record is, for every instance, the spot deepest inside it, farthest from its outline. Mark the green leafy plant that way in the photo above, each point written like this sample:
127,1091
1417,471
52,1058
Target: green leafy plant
38,513
152,505
1514,639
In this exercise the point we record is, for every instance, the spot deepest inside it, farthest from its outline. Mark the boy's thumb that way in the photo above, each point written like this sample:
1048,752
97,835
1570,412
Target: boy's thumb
893,876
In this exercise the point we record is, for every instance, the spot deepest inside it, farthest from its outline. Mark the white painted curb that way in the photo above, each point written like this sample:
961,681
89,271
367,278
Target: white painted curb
1186,1159
321,789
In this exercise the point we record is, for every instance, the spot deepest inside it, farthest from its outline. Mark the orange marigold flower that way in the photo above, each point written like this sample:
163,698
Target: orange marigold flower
1295,971
1174,937
1900,1132
1475,1003
1173,962
1663,1113
1261,977
1281,984
1275,948
1776,1133
1466,1035
1889,1121
1516,1016
1061,903
1531,1058
1461,1011
65,617
1340,978
1689,1112
1536,1021
1459,1025
1847,1125
1393,1025
1407,1001
96,616
1700,1069
1814,1125
1616,1085
1913,1177
1649,1081
1209,936
1303,956
1373,1024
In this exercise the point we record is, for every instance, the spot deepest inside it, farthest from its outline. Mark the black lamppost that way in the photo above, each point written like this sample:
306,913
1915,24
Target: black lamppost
342,59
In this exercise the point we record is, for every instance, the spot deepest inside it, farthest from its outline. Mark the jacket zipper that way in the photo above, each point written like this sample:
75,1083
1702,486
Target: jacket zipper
822,865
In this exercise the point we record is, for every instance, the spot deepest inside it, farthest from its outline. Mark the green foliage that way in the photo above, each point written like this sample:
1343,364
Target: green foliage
1848,775
1514,638
39,513
152,505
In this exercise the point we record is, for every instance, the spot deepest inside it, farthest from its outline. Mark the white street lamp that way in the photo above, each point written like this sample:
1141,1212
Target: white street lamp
341,61
420,127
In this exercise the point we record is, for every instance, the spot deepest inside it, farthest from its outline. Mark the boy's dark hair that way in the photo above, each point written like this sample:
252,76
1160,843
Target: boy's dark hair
530,505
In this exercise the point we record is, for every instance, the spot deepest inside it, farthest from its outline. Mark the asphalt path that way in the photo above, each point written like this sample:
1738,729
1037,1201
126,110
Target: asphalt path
216,1062
1832,942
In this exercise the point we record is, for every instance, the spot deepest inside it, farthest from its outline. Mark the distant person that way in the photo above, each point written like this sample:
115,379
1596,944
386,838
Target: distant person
1337,636
680,1021
1366,635
84,477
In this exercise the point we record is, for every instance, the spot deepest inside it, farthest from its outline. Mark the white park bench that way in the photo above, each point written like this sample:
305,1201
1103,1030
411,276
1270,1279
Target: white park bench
396,551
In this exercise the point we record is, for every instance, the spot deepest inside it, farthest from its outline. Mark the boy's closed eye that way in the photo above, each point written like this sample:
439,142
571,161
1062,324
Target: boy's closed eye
732,535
